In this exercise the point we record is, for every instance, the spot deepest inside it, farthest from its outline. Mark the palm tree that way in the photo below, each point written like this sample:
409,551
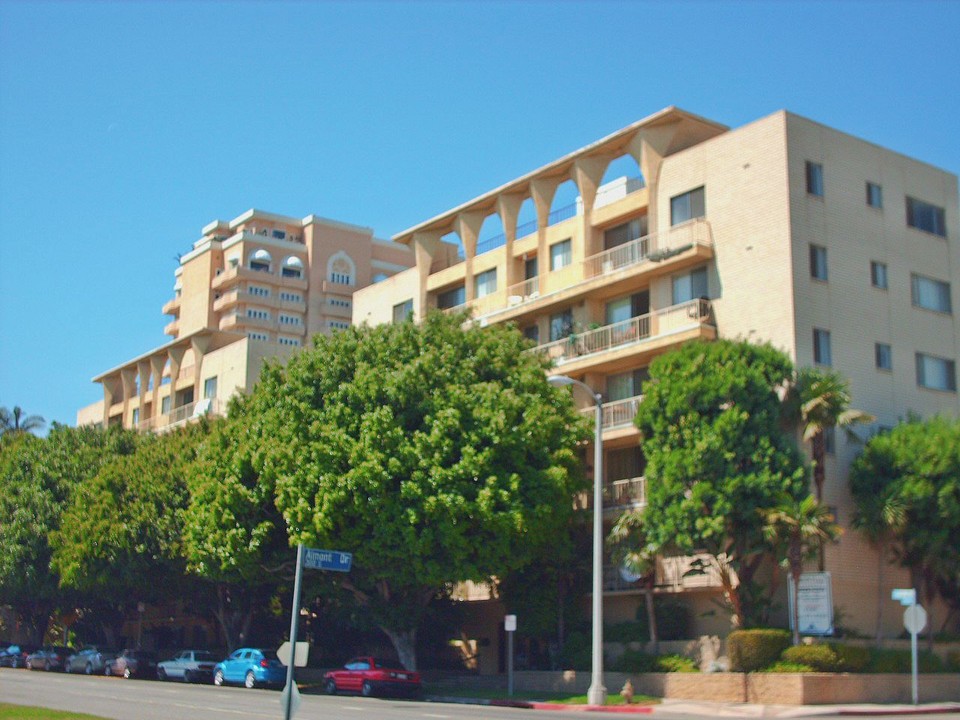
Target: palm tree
817,401
14,421
880,518
796,528
631,551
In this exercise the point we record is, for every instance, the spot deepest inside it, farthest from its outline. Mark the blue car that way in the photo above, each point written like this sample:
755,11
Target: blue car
251,667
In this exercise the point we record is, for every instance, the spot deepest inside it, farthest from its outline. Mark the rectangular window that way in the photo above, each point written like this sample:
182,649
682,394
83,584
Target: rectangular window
874,195
210,387
878,275
687,206
821,347
280,234
690,286
290,342
339,325
136,417
818,262
402,311
561,325
454,297
255,314
621,234
257,336
814,179
883,355
291,297
626,385
530,268
258,291
936,373
532,332
561,254
164,405
485,283
926,217
289,319
930,294
291,272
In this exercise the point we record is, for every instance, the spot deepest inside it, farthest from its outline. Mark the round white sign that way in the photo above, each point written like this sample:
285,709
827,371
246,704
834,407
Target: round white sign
915,618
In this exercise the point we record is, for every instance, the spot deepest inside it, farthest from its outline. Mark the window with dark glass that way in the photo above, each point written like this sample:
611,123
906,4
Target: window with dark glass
814,179
530,268
402,311
687,206
561,254
878,275
561,325
532,332
822,354
818,262
936,373
924,216
930,294
883,356
690,286
451,298
874,195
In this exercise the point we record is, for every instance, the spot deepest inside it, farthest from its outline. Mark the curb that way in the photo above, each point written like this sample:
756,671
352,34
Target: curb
531,705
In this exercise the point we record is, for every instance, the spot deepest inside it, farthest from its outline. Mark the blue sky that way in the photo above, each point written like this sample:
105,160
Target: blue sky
126,127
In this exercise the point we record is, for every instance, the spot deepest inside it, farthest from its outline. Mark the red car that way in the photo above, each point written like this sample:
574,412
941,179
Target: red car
372,676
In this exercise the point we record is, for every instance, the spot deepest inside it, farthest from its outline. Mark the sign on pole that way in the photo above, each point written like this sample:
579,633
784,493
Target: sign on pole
510,625
914,620
317,559
300,657
290,698
814,603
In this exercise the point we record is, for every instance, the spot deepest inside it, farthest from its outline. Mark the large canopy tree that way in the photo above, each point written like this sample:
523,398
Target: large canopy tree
716,457
906,484
435,453
37,477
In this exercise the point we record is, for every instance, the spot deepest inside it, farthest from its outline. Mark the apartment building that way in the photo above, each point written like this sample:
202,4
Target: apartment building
256,287
677,228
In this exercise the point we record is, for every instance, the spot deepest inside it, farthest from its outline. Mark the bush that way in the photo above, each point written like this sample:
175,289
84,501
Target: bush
676,663
626,632
782,666
953,661
821,658
751,650
577,652
899,661
852,658
634,662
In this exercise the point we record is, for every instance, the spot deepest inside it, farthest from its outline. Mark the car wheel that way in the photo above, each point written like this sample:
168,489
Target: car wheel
161,674
126,673
250,681
366,689
330,687
218,678
187,676
29,665
108,670
68,668
88,669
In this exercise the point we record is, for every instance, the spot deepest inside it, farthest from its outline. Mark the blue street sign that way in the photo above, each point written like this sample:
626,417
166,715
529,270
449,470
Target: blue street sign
316,559
906,596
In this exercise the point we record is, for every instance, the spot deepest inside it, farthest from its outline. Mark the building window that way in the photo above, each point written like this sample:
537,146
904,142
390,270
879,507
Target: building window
291,297
279,234
626,385
878,275
341,269
883,355
561,325
338,302
454,297
258,291
930,294
530,268
255,314
622,234
258,336
403,311
165,405
532,332
561,254
690,286
874,195
687,206
339,325
821,347
818,262
936,373
290,342
210,387
926,217
290,319
136,417
814,179
260,261
485,283
292,272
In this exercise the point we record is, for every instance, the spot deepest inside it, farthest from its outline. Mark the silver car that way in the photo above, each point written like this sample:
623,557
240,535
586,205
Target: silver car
90,660
189,666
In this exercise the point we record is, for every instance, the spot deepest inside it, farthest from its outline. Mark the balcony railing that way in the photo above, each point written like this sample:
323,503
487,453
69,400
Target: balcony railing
618,413
561,214
527,228
653,248
181,415
491,243
622,494
628,332
674,573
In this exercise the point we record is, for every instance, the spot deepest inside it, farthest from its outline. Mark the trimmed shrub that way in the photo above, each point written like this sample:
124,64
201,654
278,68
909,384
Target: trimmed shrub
751,650
821,658
953,661
899,661
782,666
676,663
852,658
626,632
635,661
577,652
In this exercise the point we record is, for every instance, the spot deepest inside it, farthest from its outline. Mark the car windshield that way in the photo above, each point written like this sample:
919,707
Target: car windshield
388,664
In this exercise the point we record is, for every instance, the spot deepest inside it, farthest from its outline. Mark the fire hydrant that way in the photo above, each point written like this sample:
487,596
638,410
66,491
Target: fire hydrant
627,692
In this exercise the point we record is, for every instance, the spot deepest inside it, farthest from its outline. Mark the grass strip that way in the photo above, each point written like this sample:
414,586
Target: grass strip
24,712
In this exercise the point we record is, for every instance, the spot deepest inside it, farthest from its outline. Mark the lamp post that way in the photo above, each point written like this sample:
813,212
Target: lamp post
597,694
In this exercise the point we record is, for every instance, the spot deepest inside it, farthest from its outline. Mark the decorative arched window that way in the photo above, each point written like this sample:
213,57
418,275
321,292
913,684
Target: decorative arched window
260,261
292,267
341,269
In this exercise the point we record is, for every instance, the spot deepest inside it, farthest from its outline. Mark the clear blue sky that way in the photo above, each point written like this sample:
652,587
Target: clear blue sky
126,127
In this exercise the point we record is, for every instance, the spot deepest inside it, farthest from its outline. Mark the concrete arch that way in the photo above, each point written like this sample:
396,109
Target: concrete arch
341,269
492,233
564,202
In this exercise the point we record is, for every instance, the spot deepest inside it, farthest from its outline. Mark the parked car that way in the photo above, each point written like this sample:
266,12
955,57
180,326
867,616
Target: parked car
90,660
373,676
252,667
49,657
189,666
15,656
132,663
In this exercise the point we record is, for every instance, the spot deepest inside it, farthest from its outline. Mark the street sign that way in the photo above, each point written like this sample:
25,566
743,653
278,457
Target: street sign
300,657
814,602
292,697
905,596
510,623
915,619
335,560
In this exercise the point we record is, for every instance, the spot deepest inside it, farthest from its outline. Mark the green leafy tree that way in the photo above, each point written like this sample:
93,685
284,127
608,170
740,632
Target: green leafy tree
119,541
234,536
880,517
797,528
631,549
915,468
37,477
716,456
14,421
435,453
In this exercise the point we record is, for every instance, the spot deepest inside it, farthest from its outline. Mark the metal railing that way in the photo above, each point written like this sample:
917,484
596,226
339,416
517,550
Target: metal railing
527,228
491,243
673,572
621,494
181,414
635,330
617,413
561,214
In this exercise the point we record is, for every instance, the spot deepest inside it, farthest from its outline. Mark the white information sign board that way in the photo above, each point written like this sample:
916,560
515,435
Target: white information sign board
814,603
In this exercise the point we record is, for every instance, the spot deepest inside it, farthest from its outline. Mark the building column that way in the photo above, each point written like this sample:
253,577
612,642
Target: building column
425,246
542,191
508,207
648,147
588,174
468,226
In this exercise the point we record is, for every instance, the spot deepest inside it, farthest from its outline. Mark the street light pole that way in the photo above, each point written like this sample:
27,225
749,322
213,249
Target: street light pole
597,694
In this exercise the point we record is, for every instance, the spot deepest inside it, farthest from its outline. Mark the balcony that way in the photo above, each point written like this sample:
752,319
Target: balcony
667,252
236,321
618,414
172,307
182,415
236,295
676,573
637,331
630,493
231,276
172,328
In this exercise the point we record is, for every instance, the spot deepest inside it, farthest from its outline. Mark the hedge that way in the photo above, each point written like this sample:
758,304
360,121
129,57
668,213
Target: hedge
751,650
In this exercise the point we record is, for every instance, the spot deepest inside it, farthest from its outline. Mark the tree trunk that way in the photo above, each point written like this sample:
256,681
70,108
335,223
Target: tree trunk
819,477
652,617
405,643
234,613
930,594
795,558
